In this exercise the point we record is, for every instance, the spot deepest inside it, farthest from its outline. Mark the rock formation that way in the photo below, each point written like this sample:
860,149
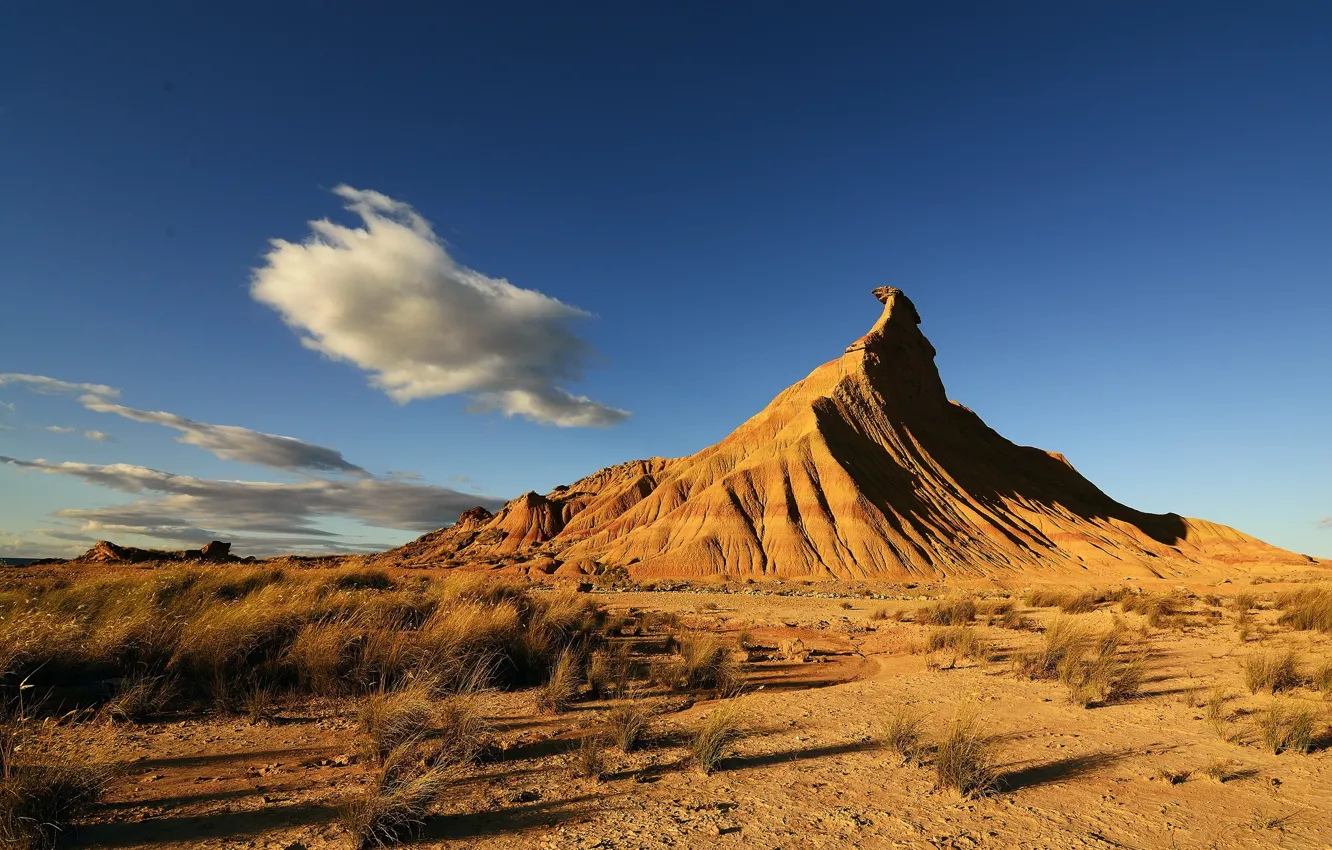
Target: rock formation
863,469
104,552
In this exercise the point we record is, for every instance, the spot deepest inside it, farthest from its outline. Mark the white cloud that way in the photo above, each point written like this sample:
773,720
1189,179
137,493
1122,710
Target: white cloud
55,386
1325,522
388,298
232,442
96,436
181,507
228,442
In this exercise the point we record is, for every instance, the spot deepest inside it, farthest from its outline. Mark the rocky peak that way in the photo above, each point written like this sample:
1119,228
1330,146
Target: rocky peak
473,518
898,319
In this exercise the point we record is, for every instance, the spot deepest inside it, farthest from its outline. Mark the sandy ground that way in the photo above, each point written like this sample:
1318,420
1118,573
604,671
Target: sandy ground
812,771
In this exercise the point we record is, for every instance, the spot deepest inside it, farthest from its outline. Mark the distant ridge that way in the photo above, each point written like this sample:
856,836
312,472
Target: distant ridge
864,469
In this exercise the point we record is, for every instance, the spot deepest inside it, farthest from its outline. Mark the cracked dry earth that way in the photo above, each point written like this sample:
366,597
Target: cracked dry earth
811,772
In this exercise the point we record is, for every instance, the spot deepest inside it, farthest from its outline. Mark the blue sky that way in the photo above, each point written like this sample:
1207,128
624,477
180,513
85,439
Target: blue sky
1115,219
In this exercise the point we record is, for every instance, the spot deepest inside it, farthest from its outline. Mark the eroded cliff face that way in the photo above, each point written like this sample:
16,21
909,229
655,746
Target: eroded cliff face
863,469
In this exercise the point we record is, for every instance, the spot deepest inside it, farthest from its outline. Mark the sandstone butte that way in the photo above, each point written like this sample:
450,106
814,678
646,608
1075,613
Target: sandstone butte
864,469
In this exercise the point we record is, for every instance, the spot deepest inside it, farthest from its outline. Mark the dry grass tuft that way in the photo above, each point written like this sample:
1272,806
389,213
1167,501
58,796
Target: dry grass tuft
1271,671
1321,680
1219,770
1092,668
259,701
905,737
628,724
1157,609
1064,639
704,662
396,805
389,720
1216,710
45,783
139,697
39,801
1081,603
558,693
588,759
964,759
461,725
362,578
958,642
1307,608
1041,597
957,611
600,676
719,732
1071,601
1286,727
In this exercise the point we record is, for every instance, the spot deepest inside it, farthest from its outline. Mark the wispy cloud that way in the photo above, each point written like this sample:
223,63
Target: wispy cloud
390,299
228,442
1325,522
182,507
96,436
55,386
232,442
